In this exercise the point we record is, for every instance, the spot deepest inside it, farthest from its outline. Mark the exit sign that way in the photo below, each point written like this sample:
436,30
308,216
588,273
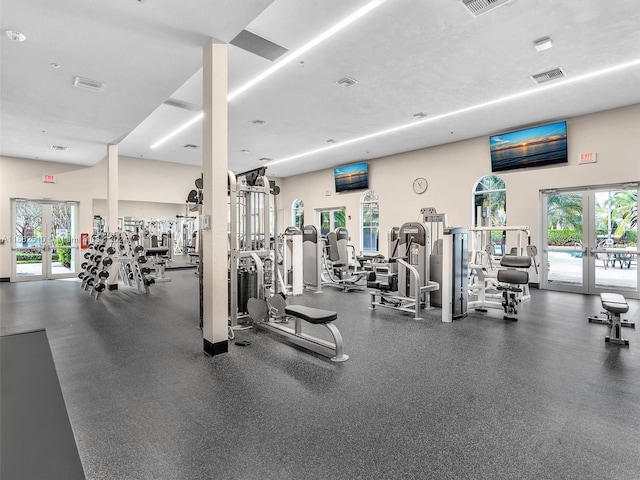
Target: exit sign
589,157
48,179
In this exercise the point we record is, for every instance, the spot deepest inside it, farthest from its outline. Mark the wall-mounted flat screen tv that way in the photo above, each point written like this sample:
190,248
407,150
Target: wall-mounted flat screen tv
351,177
531,147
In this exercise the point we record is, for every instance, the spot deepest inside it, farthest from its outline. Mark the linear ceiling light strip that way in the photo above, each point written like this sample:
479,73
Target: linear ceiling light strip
515,96
305,48
277,66
178,130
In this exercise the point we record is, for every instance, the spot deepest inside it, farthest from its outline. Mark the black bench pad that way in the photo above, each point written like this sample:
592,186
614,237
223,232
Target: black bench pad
614,302
311,315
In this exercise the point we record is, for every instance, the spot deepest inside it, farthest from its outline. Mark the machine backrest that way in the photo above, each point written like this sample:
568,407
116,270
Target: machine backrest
342,241
515,261
332,247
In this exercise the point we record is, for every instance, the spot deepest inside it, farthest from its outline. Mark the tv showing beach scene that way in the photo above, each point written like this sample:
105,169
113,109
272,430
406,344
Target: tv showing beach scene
351,177
531,147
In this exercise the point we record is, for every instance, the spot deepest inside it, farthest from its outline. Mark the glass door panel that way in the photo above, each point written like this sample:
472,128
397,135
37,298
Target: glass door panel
615,248
325,222
564,241
63,253
28,240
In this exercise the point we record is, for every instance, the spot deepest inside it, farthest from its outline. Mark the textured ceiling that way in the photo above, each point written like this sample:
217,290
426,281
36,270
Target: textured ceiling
408,56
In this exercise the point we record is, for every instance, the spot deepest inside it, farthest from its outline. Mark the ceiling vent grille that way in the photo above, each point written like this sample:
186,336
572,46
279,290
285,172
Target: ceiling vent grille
478,7
548,76
59,148
347,81
257,45
174,102
89,84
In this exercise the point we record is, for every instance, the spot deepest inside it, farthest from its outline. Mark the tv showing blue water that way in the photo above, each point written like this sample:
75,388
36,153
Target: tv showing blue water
351,177
532,147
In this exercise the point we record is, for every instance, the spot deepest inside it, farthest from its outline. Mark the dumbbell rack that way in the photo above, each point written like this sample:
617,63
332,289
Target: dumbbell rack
130,262
96,268
104,250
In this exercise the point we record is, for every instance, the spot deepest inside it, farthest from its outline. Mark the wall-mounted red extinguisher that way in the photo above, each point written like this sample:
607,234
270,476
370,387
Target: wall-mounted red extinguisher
84,240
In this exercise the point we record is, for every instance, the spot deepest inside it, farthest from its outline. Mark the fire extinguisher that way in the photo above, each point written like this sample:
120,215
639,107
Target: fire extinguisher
84,240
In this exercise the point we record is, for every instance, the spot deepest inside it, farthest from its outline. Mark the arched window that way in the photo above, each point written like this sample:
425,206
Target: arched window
297,213
490,202
370,225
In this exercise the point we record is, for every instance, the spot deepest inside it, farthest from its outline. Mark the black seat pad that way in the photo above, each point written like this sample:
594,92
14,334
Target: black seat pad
311,315
614,302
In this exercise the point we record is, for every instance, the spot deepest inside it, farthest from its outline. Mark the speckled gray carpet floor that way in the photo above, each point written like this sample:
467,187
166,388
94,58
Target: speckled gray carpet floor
543,398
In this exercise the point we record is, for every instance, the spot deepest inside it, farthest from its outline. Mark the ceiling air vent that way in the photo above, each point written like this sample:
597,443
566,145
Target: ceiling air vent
174,102
191,145
257,45
347,81
88,84
478,7
59,148
548,76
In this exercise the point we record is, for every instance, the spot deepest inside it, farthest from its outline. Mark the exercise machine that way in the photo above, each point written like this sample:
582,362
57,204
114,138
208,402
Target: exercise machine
408,289
272,315
448,264
335,263
614,306
486,258
511,282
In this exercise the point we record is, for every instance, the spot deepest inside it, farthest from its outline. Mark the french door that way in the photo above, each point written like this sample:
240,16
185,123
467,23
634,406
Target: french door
44,244
590,240
331,218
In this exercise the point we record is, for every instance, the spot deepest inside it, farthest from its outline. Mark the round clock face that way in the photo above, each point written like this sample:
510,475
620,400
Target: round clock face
420,185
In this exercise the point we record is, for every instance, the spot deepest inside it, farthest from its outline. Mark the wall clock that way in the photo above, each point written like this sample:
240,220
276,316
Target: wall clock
420,185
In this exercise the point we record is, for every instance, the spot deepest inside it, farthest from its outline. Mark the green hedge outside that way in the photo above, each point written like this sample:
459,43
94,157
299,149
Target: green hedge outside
570,237
60,255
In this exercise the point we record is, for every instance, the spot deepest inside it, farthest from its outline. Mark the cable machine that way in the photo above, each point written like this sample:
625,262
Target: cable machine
252,268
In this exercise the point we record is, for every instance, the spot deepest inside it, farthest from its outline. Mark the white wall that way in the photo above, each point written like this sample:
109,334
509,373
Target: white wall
452,171
140,180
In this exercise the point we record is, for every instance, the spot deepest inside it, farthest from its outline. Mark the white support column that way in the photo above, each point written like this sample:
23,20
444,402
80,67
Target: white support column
215,166
112,188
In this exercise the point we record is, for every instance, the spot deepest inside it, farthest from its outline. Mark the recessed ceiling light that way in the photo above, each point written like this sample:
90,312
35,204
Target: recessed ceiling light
191,145
258,122
331,140
420,115
55,65
15,36
543,44
265,159
89,84
57,147
244,150
347,81
308,46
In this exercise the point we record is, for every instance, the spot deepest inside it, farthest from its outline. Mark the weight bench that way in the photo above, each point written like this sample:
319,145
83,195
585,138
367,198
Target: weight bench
614,305
334,351
509,281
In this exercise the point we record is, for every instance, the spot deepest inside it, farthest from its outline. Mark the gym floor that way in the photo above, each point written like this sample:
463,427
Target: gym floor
481,398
